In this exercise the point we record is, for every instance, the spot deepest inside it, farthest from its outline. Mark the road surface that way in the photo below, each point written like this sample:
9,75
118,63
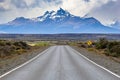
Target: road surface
60,63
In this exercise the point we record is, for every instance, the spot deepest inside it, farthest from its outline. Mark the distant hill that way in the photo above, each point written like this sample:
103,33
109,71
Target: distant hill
82,37
60,21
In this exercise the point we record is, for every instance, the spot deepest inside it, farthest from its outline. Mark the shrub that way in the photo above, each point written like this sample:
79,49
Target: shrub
111,44
2,43
8,43
83,46
10,47
102,44
114,50
4,52
21,44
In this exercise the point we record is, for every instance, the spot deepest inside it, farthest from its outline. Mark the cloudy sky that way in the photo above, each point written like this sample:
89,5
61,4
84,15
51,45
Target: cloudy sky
106,11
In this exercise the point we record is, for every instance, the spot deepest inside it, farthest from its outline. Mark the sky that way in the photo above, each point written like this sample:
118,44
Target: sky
106,11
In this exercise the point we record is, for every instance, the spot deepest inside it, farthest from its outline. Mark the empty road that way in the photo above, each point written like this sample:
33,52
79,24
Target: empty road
60,63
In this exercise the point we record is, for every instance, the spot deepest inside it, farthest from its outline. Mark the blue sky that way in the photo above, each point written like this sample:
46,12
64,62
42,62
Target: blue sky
106,11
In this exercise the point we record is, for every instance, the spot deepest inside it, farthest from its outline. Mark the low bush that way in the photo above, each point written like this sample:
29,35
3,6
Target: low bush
113,49
21,44
11,47
102,43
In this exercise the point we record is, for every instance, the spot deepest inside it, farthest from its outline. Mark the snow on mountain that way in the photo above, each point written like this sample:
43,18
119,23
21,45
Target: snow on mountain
54,15
47,14
60,21
116,25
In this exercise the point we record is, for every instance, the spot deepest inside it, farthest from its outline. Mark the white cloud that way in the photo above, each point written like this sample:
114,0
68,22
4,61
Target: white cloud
107,13
4,4
29,2
81,7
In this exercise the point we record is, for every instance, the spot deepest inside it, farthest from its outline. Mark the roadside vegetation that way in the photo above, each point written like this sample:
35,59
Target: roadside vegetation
109,48
42,44
14,53
8,48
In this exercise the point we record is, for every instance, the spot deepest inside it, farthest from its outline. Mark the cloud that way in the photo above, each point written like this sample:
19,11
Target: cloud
106,11
82,7
1,0
4,5
10,9
19,3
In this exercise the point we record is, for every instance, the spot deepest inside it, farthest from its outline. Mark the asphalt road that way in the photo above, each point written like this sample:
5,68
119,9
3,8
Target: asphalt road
60,63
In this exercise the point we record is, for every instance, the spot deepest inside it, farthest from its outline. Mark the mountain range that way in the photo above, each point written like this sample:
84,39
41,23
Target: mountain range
51,22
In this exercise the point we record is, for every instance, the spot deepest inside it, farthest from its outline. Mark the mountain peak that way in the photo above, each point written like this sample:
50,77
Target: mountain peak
48,12
62,12
61,9
20,18
19,21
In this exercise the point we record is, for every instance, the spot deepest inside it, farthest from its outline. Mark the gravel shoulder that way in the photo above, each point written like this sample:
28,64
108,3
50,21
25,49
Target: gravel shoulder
101,59
8,63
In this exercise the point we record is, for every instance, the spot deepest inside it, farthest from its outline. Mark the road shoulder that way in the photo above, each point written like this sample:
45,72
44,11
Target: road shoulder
8,64
100,59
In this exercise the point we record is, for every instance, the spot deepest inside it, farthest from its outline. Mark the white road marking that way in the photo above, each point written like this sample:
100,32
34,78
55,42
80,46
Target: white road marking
24,64
96,64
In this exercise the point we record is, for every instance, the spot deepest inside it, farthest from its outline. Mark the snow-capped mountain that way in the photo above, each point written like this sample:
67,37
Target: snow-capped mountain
55,16
60,21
